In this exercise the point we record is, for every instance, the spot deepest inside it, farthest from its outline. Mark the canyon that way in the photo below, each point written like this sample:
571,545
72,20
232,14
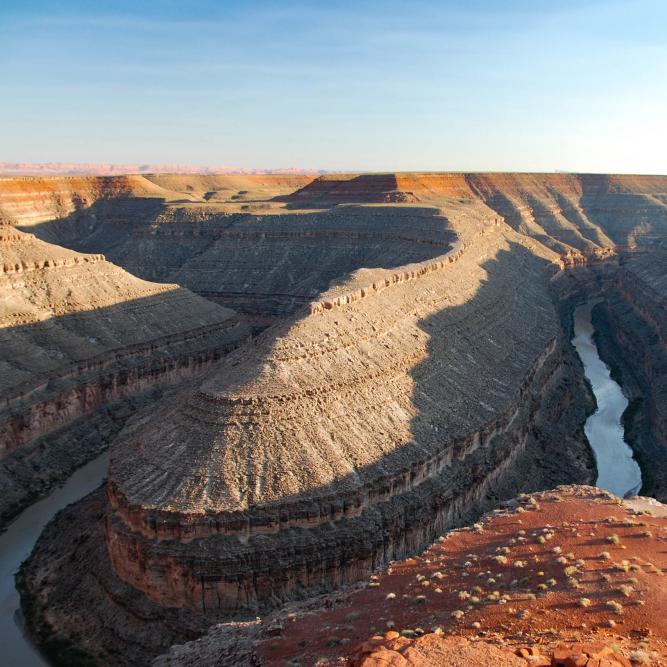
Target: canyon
302,379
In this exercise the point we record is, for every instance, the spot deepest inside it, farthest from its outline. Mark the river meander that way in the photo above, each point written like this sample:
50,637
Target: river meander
17,542
618,472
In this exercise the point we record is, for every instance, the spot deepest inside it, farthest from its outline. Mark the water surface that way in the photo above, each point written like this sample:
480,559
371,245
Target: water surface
618,472
15,546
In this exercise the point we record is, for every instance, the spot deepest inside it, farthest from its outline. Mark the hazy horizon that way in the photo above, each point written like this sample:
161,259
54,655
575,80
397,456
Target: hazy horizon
364,86
79,169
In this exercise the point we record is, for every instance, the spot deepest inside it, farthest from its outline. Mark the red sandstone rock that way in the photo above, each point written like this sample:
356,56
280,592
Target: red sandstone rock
432,650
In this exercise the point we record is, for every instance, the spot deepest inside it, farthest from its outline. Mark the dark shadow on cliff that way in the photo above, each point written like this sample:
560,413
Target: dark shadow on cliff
90,340
100,227
329,192
64,369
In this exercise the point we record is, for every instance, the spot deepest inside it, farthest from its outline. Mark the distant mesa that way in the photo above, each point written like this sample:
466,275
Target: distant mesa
111,169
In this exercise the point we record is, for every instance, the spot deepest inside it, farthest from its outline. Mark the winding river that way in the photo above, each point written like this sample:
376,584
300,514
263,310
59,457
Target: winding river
618,472
15,546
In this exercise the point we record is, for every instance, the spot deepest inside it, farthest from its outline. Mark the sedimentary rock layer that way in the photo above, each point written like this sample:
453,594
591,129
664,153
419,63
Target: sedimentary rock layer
630,320
229,238
30,201
419,368
535,546
341,438
77,333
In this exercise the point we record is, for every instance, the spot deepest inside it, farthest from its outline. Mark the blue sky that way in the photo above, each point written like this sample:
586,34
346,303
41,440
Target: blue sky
433,85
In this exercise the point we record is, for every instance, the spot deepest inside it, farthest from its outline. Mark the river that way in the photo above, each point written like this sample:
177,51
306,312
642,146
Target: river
618,472
15,546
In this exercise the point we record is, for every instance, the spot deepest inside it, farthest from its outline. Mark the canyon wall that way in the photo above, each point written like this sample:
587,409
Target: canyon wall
250,242
631,325
79,333
359,430
417,370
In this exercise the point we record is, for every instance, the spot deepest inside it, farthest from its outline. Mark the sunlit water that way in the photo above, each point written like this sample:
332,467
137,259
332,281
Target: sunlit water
15,546
618,472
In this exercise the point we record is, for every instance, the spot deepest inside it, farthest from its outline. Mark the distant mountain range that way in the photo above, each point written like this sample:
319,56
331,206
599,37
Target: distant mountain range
108,169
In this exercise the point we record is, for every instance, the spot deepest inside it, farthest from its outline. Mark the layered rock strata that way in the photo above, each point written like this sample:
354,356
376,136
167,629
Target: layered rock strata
400,393
325,446
630,288
229,238
31,201
632,321
273,265
78,333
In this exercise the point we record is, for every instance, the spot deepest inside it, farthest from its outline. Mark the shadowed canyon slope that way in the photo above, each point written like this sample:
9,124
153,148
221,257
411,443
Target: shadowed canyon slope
417,369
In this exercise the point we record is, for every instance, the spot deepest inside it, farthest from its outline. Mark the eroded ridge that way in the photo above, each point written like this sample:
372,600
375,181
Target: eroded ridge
332,425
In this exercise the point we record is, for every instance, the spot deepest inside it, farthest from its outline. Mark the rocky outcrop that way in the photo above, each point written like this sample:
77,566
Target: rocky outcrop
577,211
274,264
526,585
557,578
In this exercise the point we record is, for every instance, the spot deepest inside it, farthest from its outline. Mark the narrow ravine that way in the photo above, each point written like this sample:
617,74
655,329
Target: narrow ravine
15,546
618,472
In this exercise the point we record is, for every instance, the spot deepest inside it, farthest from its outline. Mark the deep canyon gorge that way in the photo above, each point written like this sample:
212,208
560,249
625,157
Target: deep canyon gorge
302,379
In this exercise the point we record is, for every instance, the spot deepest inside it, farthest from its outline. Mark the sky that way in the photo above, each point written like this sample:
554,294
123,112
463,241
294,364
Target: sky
475,85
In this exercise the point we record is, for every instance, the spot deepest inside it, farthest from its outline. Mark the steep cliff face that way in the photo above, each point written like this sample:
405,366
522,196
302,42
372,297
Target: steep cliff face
78,333
511,587
632,321
30,201
630,288
377,188
571,211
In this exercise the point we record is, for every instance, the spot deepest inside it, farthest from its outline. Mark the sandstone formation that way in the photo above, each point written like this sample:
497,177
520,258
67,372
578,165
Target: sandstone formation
418,370
335,420
229,237
79,333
